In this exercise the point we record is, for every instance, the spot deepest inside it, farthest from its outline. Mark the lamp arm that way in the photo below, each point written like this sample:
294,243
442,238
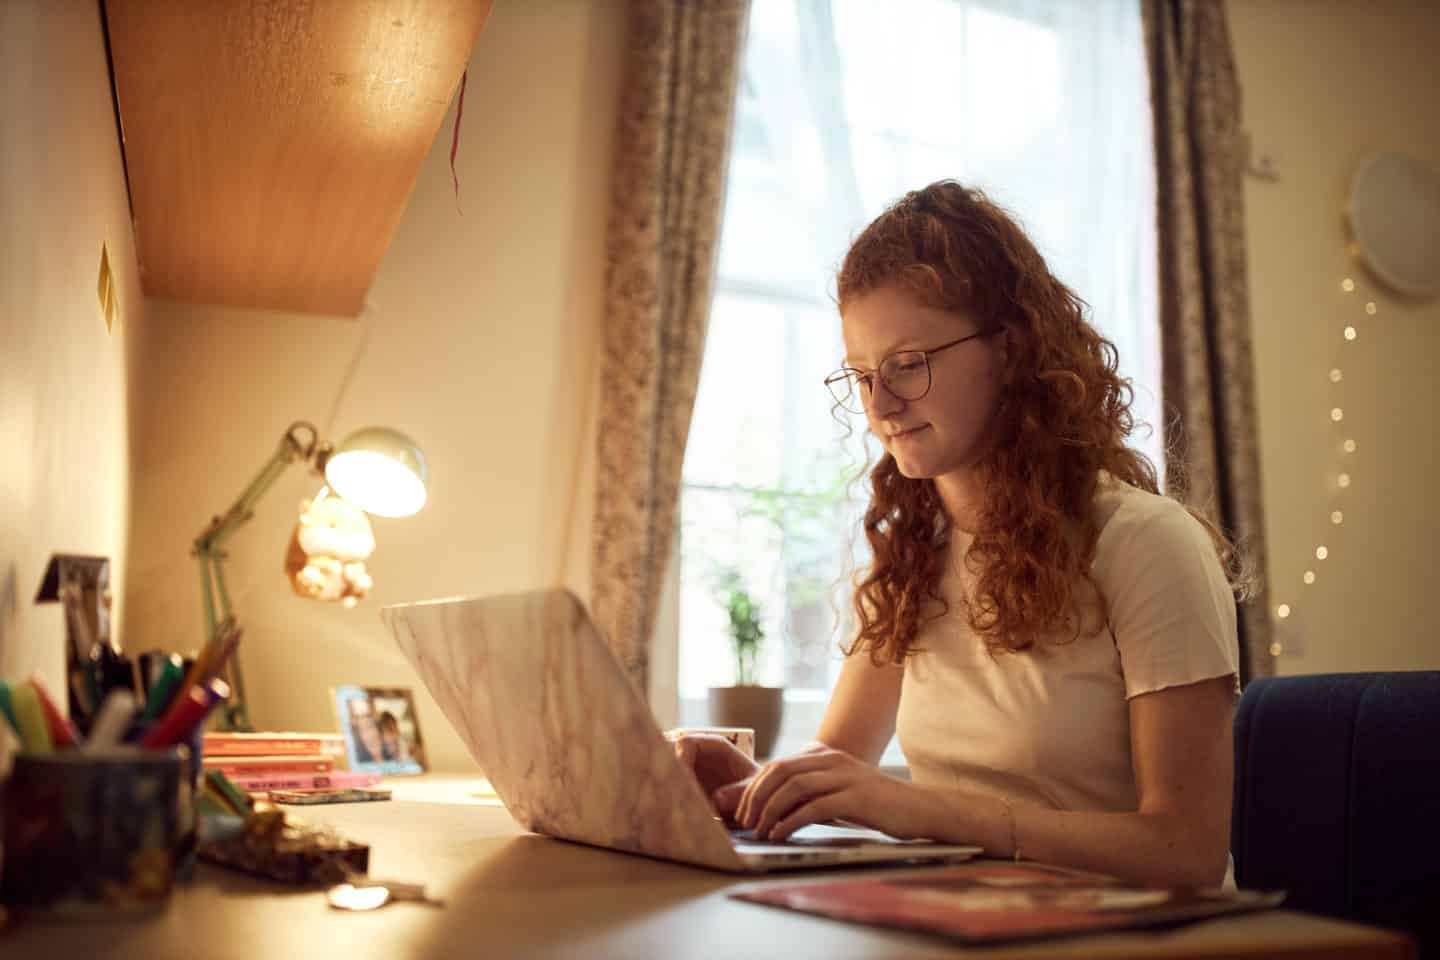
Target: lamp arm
294,445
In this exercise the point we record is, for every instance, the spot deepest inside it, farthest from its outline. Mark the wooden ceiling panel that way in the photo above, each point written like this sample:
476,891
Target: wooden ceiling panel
271,145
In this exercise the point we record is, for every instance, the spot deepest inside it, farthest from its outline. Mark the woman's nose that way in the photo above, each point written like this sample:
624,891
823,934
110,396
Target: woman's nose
881,402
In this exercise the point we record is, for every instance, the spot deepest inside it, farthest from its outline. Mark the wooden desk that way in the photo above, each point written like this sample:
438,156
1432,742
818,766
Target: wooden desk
511,894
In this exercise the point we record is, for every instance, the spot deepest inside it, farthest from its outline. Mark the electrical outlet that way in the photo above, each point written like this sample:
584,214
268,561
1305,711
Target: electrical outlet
109,296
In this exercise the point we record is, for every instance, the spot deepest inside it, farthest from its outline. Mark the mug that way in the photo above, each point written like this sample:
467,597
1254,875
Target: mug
742,737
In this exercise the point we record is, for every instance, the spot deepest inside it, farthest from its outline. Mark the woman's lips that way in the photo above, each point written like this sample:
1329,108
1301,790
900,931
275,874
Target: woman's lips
906,434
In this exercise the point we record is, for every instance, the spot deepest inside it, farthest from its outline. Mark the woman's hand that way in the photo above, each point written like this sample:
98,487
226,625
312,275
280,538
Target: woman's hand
718,764
825,784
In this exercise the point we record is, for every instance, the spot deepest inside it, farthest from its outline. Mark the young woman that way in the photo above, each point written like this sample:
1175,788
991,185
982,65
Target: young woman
1053,641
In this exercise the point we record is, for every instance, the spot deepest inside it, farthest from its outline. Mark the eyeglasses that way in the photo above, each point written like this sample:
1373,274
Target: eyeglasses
906,374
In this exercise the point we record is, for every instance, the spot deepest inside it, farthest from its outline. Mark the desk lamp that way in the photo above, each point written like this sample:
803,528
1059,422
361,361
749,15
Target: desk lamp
377,469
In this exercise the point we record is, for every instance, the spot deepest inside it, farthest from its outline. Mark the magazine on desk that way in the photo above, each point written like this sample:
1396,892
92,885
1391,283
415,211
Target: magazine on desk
989,902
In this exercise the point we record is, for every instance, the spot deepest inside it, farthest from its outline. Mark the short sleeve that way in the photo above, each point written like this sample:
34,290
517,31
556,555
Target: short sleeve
1168,603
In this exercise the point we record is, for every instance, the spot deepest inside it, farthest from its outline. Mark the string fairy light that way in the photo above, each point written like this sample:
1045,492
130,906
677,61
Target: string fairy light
1336,375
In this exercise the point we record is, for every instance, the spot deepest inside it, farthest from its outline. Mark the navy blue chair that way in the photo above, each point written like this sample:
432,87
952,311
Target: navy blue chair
1337,797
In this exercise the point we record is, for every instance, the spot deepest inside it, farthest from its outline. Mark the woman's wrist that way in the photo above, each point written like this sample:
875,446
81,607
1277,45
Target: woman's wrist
946,815
954,816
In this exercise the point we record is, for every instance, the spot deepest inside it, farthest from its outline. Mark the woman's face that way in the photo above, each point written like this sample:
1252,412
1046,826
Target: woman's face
368,732
941,432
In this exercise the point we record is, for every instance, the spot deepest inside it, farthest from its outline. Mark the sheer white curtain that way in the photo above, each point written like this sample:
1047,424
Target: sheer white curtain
844,106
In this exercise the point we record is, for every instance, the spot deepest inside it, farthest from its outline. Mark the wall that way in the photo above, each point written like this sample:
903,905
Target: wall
1325,83
64,427
480,342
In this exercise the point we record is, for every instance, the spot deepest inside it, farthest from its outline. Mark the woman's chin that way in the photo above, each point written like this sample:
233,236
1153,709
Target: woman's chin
914,468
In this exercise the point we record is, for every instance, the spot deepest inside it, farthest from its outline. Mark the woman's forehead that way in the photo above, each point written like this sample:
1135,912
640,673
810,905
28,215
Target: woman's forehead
880,322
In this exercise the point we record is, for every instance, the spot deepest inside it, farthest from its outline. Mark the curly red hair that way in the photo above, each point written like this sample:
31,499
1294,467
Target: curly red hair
1063,418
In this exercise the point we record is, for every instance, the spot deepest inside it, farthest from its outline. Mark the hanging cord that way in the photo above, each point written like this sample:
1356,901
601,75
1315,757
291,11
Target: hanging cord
360,347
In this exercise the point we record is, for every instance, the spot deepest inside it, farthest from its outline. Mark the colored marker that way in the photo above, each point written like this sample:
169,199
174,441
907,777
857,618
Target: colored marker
186,715
7,713
62,734
111,722
163,691
30,719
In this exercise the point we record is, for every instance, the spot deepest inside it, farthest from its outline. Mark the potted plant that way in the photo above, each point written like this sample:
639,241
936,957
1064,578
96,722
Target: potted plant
746,703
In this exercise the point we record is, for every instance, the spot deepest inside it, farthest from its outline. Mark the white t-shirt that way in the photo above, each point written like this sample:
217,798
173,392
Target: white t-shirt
1051,725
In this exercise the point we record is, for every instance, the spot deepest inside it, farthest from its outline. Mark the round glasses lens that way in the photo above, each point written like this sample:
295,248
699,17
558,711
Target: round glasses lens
907,375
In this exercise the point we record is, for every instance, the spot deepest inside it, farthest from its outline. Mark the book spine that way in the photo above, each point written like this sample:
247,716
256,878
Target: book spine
277,768
217,745
319,781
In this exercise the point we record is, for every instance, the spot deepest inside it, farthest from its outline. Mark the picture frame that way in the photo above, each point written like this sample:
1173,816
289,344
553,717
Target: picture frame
381,729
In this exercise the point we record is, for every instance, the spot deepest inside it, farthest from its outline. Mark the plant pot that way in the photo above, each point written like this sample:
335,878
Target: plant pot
759,708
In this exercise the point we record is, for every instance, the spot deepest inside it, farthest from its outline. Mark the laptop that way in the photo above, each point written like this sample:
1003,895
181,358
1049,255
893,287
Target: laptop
572,749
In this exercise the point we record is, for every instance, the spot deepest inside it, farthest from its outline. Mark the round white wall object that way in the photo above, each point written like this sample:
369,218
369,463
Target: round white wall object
1395,218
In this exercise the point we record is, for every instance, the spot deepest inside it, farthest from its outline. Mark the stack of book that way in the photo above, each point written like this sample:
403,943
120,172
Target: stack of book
266,762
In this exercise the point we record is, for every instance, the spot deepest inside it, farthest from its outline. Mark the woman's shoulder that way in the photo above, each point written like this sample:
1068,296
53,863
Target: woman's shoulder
1168,601
1129,518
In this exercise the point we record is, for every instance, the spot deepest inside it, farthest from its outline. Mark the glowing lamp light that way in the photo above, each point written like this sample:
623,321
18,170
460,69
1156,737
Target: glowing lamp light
379,470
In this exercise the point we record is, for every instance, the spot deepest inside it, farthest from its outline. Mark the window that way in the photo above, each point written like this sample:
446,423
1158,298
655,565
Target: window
844,105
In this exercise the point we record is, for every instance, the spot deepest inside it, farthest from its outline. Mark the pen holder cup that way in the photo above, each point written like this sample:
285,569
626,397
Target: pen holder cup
101,832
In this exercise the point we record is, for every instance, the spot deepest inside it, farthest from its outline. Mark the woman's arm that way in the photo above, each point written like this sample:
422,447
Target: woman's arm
1183,762
1183,757
860,717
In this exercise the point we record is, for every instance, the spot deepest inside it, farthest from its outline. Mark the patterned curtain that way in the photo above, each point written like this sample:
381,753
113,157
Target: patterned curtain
1208,378
676,112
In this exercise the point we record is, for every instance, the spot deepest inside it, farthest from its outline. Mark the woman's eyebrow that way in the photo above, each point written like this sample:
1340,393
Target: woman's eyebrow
908,343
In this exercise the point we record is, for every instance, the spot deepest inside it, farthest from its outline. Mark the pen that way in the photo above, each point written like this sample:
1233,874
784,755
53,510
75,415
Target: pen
30,719
164,689
187,708
186,715
229,642
62,734
204,666
7,713
111,722
150,662
217,691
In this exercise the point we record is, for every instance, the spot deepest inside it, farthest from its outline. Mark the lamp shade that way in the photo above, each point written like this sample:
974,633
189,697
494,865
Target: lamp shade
379,470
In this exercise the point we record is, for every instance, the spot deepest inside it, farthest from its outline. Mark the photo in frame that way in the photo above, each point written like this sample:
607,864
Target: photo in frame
381,729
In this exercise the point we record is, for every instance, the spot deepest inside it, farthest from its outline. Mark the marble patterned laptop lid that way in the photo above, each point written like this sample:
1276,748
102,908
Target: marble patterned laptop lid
558,728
